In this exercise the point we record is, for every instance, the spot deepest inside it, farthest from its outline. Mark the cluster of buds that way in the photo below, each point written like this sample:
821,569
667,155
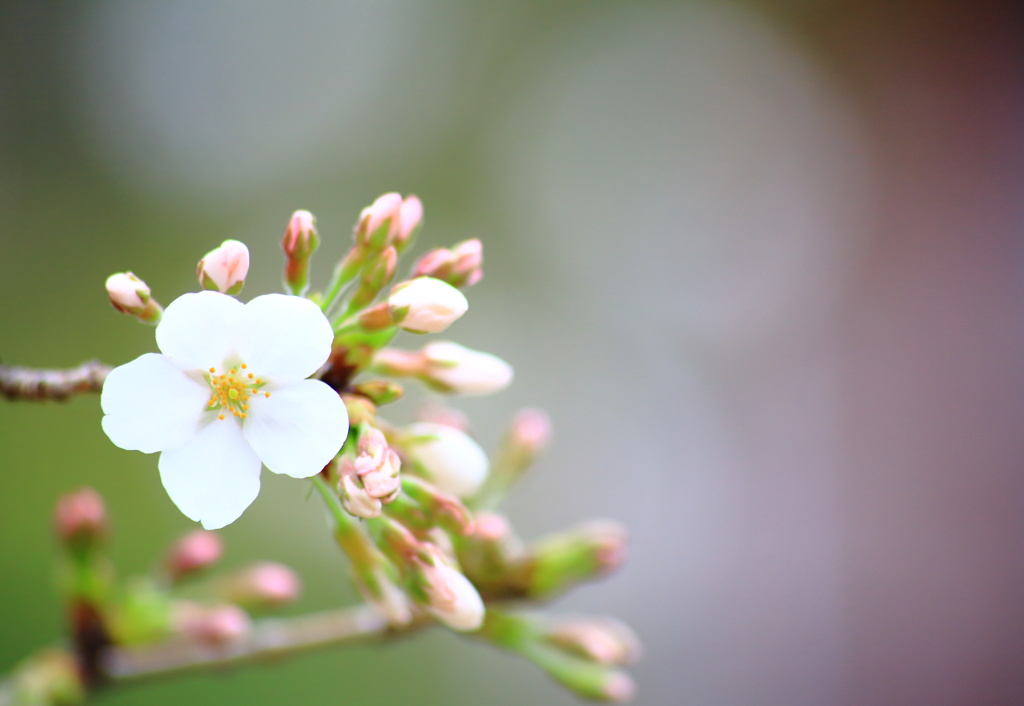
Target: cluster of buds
414,506
135,611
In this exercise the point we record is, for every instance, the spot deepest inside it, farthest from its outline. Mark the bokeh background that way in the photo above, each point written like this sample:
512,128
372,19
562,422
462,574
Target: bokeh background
761,261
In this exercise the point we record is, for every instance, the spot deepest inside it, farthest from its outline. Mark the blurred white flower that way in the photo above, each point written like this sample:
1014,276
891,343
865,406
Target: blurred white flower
450,458
227,393
463,371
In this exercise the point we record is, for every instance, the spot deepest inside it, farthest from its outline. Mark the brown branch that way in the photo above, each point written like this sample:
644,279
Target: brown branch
18,383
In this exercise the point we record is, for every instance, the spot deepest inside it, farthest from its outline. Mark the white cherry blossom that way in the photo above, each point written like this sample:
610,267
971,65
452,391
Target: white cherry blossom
227,392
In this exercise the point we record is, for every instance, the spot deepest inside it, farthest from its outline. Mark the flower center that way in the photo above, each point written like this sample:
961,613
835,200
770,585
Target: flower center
231,390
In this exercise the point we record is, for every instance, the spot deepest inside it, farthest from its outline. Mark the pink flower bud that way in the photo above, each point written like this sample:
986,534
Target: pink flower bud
459,266
380,222
450,596
618,687
469,258
224,268
378,466
411,217
426,305
462,371
530,432
354,497
81,518
194,552
211,625
449,458
263,585
300,236
604,640
299,242
130,295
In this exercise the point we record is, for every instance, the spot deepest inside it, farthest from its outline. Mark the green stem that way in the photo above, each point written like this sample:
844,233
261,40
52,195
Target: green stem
344,273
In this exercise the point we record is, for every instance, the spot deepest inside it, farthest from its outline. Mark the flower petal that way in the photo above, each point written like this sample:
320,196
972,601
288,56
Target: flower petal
213,477
298,429
151,404
282,337
197,329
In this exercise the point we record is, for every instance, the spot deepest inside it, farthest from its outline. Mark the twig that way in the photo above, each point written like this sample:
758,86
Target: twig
268,638
17,383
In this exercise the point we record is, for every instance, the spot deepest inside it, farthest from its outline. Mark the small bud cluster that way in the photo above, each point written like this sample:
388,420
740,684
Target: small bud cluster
414,507
148,609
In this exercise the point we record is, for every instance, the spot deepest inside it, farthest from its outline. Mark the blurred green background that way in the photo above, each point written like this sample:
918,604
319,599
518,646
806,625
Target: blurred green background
761,262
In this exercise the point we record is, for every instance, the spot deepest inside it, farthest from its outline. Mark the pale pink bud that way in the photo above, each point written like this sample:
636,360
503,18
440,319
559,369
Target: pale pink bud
604,640
618,687
462,371
469,258
451,598
355,498
410,216
130,295
459,266
194,552
377,466
449,458
531,431
224,268
436,263
263,585
211,625
300,236
426,305
380,222
81,517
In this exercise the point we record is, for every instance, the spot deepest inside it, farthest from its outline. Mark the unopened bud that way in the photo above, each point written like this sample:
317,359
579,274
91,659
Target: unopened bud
449,596
360,409
130,295
81,518
604,640
459,266
459,370
430,508
379,392
224,269
380,222
263,585
376,318
192,553
449,458
528,435
426,305
489,551
210,625
377,465
355,498
411,217
299,242
563,560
